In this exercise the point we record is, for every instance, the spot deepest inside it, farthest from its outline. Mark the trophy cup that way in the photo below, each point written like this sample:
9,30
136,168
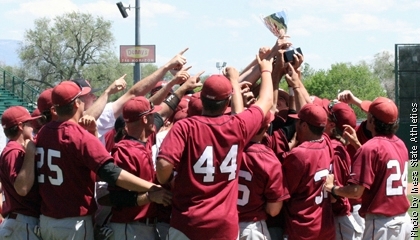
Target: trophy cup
277,23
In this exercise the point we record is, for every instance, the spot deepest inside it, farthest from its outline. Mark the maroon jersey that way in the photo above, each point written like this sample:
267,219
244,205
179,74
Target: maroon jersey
11,161
132,156
260,181
308,212
109,139
67,159
206,153
381,166
341,171
278,142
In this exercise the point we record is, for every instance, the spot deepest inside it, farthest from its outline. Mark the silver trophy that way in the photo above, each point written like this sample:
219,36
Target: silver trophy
277,23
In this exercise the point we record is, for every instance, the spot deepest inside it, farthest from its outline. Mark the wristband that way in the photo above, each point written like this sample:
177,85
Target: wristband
333,192
172,101
263,71
291,92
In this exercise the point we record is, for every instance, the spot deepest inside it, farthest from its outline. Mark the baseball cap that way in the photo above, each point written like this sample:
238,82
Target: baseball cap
37,114
382,108
195,106
313,114
137,107
216,87
85,83
44,101
157,87
14,115
316,100
341,113
66,92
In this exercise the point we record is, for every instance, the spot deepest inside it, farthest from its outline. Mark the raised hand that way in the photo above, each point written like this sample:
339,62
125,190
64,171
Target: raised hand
182,75
178,61
193,82
292,77
88,122
118,85
231,73
265,65
346,96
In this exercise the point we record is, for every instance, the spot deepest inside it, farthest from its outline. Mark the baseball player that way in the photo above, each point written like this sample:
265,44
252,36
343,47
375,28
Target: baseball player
308,212
21,201
67,159
341,115
379,176
134,154
206,151
261,187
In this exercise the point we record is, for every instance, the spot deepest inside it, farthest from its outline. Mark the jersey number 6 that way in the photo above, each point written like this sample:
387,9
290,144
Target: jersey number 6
205,164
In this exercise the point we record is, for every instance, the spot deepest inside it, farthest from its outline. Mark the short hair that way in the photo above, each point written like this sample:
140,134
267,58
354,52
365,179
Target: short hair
46,116
214,106
66,110
316,130
382,128
11,132
337,134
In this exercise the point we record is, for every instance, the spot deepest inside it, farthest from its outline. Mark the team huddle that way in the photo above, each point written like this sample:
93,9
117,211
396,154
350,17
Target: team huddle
239,159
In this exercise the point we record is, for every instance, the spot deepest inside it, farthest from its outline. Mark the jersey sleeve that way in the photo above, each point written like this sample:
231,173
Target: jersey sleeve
276,189
293,170
106,121
13,162
92,152
174,143
363,172
252,121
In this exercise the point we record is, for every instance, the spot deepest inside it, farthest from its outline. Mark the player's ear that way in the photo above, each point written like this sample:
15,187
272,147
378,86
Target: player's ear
144,119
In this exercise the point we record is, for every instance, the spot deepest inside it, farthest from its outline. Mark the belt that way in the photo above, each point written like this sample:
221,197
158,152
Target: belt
12,215
148,221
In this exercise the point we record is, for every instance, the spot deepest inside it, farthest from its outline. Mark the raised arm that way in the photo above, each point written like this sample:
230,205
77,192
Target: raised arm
144,86
265,99
170,104
98,106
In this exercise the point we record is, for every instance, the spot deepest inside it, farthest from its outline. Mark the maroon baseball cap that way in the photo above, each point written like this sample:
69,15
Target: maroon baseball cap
216,87
313,114
316,100
340,113
66,92
137,107
14,115
85,83
382,108
44,101
195,106
283,94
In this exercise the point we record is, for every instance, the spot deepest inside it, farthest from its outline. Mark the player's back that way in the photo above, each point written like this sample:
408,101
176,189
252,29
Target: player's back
387,159
206,153
66,156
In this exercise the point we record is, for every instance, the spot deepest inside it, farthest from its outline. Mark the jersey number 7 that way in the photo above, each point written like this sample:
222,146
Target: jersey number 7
205,164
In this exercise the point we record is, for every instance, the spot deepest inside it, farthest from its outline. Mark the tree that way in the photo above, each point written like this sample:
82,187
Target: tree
383,67
357,78
61,48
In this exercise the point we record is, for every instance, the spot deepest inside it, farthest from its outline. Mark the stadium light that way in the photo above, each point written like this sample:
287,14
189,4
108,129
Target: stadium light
123,9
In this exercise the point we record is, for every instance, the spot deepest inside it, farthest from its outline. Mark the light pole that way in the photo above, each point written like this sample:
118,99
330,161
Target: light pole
136,70
220,65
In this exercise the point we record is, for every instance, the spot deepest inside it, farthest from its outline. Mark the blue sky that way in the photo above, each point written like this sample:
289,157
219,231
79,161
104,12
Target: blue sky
328,31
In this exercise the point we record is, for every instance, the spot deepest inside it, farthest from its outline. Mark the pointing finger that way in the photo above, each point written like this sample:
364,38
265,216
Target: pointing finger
183,51
187,68
199,74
